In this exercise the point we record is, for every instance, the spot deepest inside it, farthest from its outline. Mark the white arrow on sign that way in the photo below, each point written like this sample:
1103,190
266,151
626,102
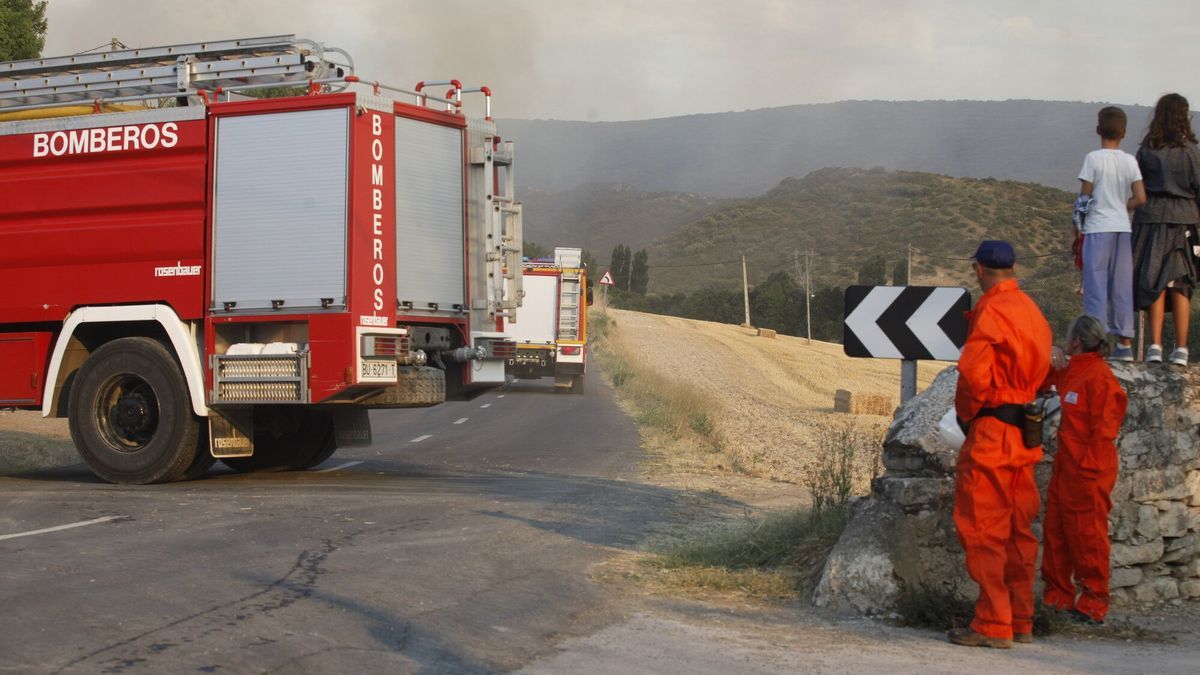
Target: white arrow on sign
863,321
924,323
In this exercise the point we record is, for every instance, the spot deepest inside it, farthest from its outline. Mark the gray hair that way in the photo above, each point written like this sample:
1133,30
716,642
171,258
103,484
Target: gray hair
1090,333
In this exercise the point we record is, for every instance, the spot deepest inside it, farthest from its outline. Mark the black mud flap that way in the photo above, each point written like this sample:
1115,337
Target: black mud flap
231,432
352,427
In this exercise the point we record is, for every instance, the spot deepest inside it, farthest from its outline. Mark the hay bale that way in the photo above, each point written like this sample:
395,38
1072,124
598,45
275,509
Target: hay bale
862,404
766,332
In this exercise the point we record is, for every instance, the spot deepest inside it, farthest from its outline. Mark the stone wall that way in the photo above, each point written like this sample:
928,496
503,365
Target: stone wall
903,534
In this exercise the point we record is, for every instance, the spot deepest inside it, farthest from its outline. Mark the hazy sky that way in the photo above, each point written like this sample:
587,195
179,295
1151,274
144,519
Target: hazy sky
625,59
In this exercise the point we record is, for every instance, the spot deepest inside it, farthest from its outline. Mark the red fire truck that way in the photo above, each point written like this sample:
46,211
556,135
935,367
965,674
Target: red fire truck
188,273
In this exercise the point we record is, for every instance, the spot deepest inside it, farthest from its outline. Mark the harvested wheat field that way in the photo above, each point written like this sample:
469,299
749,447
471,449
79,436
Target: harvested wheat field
773,397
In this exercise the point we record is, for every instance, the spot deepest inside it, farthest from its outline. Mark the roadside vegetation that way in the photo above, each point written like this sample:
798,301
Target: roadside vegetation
679,418
772,557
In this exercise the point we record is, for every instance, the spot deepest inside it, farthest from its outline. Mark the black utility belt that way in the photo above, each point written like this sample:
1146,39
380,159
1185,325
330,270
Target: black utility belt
1009,413
1014,414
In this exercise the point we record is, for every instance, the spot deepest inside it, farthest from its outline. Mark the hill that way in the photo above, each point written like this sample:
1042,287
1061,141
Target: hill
848,216
853,220
740,154
597,216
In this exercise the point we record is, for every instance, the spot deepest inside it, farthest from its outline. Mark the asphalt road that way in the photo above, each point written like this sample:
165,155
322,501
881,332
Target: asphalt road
459,542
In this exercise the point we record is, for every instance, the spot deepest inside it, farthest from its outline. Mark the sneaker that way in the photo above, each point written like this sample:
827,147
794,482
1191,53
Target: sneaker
1154,354
1023,638
1122,354
969,638
1179,357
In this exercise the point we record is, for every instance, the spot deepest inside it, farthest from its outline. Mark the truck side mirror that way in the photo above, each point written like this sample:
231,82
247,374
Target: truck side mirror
588,293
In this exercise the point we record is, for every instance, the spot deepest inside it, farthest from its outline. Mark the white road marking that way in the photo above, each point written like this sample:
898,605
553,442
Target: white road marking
339,467
486,405
500,396
418,439
461,420
57,528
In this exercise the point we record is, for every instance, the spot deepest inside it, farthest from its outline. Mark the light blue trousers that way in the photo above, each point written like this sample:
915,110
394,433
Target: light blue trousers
1108,280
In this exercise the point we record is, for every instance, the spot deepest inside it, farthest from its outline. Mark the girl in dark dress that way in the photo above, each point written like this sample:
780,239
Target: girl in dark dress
1165,228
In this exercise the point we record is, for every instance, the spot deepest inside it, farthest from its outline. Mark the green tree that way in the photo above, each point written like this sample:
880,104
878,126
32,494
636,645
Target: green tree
640,274
589,261
873,272
828,306
900,273
778,303
621,266
22,29
531,249
274,92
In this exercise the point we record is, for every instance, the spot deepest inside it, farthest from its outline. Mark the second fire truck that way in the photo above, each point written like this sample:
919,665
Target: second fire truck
551,333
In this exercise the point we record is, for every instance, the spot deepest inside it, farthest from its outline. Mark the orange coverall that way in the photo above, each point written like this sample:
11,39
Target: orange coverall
1080,495
1005,360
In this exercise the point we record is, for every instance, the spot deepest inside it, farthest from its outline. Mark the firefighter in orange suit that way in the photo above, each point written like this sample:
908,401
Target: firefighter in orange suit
1085,469
1004,362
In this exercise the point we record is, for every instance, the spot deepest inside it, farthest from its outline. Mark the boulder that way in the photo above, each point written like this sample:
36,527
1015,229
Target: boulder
903,535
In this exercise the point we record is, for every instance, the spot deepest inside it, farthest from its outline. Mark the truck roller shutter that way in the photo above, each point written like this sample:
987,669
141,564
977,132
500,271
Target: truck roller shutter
429,215
279,225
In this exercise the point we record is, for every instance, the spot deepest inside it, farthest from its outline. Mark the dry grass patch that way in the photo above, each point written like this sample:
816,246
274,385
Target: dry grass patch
771,559
676,416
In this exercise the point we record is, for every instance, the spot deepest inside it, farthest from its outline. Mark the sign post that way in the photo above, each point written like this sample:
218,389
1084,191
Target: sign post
909,323
606,281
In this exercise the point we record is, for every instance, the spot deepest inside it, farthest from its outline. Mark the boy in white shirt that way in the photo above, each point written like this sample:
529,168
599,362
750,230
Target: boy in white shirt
1112,179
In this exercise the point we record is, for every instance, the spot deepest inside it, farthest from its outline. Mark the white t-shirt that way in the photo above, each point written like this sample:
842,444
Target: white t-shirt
1112,174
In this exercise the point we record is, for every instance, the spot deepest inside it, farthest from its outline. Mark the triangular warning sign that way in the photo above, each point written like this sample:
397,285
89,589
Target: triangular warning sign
607,280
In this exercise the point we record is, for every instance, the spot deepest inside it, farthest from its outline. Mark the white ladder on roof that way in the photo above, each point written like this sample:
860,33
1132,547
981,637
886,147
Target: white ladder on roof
174,70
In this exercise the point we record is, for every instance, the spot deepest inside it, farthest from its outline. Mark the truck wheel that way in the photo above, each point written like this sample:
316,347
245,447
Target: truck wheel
287,440
130,415
577,384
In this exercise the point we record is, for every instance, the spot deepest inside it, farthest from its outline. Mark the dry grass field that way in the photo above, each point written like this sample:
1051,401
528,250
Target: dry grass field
770,401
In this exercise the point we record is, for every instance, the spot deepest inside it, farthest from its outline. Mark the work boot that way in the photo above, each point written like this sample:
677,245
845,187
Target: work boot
969,638
1023,638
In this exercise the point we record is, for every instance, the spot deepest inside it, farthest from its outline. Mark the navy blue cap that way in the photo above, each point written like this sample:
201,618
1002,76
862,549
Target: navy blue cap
995,254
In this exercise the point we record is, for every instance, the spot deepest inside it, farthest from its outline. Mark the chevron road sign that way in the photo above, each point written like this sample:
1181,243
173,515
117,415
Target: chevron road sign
905,322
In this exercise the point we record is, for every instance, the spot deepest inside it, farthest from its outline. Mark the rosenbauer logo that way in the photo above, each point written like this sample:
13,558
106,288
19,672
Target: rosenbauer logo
177,270
106,139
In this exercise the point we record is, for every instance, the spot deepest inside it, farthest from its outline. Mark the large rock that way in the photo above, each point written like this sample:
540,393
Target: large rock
903,535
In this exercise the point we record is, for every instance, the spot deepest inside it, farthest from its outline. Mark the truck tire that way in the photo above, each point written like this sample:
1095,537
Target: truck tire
130,415
302,440
577,384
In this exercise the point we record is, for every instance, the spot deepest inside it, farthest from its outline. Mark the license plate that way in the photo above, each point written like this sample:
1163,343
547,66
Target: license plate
377,370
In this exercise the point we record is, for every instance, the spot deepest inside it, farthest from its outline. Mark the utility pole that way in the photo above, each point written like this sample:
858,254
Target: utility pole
746,292
807,292
908,268
808,295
